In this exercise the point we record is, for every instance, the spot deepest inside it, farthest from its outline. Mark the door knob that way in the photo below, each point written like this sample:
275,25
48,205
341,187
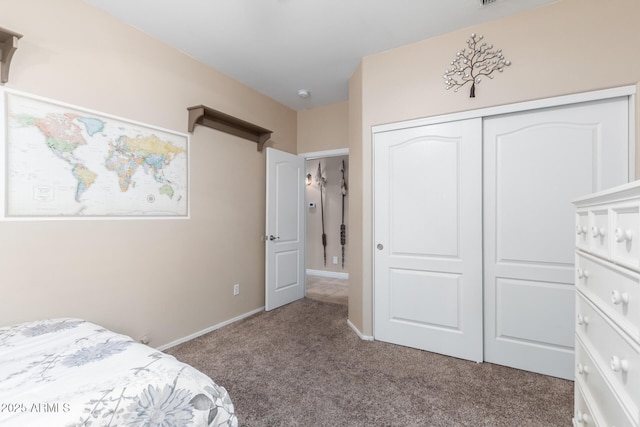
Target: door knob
623,235
583,320
618,297
272,237
582,418
583,274
618,364
379,246
597,232
582,369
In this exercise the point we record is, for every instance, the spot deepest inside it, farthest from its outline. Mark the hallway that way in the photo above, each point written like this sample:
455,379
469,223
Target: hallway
327,289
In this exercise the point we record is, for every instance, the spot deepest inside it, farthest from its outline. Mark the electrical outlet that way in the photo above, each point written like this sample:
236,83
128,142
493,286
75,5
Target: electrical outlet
236,289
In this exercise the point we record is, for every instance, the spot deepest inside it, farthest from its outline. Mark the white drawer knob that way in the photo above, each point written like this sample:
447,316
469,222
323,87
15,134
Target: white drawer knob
618,297
582,369
582,418
581,229
623,235
597,232
583,320
583,274
618,364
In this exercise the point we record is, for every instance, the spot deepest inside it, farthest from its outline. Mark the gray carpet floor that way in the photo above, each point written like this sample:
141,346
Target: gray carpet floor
327,289
301,365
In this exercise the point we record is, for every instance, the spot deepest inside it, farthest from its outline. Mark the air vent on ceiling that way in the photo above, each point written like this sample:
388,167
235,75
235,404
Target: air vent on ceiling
486,2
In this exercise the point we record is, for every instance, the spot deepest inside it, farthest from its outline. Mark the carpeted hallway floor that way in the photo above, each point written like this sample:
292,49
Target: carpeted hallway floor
328,289
301,365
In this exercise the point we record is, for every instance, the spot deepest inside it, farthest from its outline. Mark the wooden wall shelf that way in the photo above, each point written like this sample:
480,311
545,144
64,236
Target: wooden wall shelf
214,119
8,45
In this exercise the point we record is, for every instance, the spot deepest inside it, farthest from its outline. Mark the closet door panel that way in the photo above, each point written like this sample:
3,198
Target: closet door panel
425,171
518,318
428,238
533,182
535,163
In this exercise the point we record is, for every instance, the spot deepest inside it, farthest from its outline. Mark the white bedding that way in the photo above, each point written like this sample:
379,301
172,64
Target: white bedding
69,372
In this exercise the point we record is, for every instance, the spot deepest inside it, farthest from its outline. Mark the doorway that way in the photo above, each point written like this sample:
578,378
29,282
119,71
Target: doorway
326,209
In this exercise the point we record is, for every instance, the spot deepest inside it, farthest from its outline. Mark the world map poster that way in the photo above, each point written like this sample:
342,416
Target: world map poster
63,161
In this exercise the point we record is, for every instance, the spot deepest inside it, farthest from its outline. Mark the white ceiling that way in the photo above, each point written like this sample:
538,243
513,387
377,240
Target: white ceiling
280,46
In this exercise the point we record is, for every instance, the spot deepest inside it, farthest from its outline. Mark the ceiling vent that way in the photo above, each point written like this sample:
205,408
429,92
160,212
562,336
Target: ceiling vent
486,2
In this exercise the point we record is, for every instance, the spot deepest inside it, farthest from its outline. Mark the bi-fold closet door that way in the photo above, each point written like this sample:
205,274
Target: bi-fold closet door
473,230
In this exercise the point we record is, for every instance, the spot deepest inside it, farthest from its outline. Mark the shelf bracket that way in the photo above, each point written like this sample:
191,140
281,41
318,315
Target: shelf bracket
8,45
214,119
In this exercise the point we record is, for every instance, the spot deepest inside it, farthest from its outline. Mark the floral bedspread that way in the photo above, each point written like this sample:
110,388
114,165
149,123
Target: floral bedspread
70,372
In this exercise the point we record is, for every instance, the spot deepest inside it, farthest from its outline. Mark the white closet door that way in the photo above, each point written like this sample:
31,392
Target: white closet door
428,232
535,163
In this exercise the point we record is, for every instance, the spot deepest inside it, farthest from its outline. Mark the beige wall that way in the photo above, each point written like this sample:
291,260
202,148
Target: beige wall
164,278
568,47
323,128
332,199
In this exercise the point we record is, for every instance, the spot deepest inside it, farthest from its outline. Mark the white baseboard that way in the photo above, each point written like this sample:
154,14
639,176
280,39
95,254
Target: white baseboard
209,329
331,274
358,333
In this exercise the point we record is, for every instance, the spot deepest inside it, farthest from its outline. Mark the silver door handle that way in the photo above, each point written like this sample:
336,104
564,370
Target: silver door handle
272,237
379,246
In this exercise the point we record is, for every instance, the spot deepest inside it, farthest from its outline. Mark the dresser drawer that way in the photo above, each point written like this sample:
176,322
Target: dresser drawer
599,232
616,355
615,290
582,230
583,414
609,409
625,239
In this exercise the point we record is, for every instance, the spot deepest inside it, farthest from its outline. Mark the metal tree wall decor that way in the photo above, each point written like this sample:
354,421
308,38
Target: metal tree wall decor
478,60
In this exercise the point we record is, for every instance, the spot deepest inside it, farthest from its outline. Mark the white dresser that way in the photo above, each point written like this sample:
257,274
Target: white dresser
607,371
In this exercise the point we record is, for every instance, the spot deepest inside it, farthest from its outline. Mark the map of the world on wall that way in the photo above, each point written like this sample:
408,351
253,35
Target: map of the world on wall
64,161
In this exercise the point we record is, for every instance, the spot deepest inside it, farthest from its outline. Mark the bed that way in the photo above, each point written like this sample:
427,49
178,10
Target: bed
70,372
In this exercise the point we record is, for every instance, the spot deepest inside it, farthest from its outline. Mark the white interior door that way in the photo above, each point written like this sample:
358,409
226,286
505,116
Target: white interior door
285,229
536,162
428,232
